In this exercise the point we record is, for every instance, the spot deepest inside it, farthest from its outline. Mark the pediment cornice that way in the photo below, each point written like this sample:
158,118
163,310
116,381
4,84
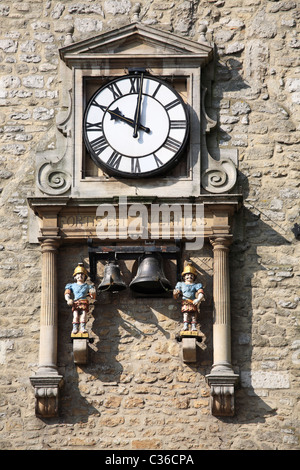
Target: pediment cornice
138,40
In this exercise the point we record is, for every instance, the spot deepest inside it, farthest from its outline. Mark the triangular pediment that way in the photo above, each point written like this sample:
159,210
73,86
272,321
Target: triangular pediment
134,39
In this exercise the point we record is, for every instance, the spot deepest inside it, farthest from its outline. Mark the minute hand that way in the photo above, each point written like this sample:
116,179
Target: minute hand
116,114
138,108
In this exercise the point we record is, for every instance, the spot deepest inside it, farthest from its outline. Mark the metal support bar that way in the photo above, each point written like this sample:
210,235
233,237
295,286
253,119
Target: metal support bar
114,252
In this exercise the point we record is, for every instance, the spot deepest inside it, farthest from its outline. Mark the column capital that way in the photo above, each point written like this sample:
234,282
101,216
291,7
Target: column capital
221,242
49,243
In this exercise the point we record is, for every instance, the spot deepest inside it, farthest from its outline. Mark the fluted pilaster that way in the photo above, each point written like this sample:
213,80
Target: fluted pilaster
221,294
222,379
48,322
47,380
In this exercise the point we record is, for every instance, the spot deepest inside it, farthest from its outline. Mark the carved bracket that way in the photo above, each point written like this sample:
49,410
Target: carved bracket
222,393
80,349
46,394
189,349
190,341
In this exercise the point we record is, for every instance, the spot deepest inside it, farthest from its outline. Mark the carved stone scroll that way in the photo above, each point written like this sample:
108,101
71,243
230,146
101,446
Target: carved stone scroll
218,176
52,180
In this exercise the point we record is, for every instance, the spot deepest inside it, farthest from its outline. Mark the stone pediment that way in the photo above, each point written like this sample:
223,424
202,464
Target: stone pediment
135,40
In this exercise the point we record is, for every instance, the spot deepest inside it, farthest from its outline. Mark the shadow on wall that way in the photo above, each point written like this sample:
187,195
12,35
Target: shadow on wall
256,264
254,307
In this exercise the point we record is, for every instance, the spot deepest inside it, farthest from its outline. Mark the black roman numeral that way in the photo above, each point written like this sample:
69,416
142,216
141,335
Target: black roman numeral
94,103
99,144
156,90
114,160
134,85
172,144
113,87
97,126
172,104
178,124
157,161
135,166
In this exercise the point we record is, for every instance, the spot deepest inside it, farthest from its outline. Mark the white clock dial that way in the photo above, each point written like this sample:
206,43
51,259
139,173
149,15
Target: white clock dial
136,126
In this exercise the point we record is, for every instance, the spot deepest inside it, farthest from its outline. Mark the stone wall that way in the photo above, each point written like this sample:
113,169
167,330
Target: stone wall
136,393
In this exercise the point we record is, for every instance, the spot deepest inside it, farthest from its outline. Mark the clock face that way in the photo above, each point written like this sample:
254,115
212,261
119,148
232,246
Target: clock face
136,126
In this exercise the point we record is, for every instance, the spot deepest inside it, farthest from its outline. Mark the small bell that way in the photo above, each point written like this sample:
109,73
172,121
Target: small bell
150,278
112,281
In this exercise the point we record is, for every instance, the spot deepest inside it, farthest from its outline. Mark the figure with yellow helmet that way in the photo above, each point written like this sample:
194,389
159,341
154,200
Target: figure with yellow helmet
77,295
191,294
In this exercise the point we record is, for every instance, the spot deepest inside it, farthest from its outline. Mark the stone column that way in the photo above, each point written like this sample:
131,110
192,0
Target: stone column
47,380
222,378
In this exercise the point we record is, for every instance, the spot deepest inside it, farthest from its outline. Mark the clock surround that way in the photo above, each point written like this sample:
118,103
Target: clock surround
115,120
93,63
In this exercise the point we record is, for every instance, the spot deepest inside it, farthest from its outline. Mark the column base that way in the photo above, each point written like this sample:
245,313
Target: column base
46,394
222,381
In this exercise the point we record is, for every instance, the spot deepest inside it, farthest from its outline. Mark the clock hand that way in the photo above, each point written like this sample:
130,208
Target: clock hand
116,114
138,108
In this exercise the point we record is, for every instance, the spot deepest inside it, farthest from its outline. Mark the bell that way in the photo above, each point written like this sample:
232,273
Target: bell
150,278
112,281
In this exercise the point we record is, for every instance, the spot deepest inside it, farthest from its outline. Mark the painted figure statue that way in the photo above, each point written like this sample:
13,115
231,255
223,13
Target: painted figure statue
77,295
191,294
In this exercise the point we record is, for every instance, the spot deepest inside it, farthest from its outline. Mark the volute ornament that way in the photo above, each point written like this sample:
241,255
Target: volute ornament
218,176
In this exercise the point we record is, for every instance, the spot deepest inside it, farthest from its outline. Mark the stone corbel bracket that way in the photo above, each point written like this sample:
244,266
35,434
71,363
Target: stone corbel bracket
222,388
80,349
189,350
190,342
218,176
46,390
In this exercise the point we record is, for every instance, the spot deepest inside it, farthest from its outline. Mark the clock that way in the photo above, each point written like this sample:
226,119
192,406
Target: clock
135,126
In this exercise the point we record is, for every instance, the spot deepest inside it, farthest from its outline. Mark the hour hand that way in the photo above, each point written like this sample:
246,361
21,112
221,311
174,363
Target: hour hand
116,114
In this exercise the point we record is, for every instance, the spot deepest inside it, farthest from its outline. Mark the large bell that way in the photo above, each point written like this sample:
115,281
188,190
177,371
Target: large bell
150,278
112,281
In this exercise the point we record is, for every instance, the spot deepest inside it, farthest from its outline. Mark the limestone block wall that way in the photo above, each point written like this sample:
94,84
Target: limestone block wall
136,393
